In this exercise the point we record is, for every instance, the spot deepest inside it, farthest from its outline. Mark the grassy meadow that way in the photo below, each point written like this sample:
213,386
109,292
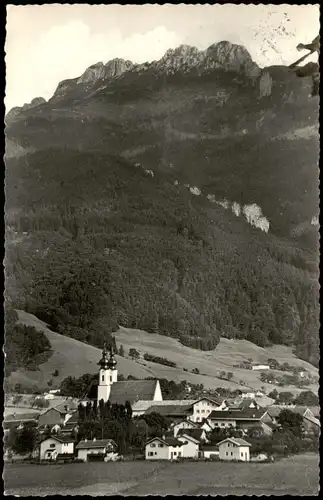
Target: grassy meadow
297,476
72,357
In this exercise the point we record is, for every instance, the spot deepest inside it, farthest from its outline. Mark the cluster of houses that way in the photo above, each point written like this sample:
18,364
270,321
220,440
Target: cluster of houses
192,421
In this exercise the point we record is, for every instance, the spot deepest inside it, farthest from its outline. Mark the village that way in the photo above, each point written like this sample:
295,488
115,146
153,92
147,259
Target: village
249,427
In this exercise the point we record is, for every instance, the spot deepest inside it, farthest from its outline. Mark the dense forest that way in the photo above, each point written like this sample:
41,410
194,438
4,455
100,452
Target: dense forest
24,346
98,251
101,230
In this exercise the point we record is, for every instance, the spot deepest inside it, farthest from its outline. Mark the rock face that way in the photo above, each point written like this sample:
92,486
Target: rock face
185,58
14,112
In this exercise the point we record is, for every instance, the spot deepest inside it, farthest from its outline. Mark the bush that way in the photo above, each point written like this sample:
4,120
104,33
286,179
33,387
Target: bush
159,360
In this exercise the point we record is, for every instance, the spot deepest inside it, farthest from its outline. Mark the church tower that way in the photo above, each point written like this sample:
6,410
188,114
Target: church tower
108,374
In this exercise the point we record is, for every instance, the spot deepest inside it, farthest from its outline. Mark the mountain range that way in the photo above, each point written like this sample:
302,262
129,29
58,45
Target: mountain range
178,196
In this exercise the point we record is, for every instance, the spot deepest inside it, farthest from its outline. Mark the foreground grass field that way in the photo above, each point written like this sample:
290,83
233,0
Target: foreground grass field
296,476
71,357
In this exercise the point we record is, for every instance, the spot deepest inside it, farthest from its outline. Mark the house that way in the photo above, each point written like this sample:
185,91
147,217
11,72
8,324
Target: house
243,419
166,448
198,434
203,407
54,416
190,445
183,425
243,404
108,388
234,449
52,446
208,451
260,367
174,412
96,449
141,406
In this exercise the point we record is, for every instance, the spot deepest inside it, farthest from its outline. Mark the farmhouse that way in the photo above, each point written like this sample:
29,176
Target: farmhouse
243,404
203,407
243,419
54,416
310,422
140,407
56,445
166,448
96,449
176,413
234,449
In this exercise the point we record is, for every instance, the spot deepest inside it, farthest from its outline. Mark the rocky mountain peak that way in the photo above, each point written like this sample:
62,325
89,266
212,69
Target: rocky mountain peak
231,57
93,73
224,55
37,101
117,67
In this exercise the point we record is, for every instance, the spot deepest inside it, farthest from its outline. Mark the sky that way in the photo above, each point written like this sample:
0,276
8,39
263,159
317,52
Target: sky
46,44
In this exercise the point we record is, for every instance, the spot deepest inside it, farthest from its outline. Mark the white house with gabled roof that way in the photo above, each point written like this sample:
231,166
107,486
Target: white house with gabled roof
167,448
234,449
202,408
190,446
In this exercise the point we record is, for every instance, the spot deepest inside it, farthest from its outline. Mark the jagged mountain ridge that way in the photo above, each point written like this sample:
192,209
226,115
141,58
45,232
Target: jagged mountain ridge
225,130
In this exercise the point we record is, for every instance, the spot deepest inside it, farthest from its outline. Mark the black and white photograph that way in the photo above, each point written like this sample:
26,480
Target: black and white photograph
161,250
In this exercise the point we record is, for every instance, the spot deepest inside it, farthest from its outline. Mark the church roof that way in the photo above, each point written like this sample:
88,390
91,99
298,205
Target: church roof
132,390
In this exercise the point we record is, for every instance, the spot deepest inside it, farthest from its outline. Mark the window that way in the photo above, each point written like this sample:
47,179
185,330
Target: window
198,411
229,444
202,411
227,453
102,378
160,445
179,453
231,453
110,378
150,453
153,445
242,455
155,452
53,445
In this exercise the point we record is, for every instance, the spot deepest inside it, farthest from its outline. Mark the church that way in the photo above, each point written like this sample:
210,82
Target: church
110,389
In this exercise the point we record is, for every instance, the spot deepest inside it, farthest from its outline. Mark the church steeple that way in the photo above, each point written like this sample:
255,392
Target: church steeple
108,374
104,361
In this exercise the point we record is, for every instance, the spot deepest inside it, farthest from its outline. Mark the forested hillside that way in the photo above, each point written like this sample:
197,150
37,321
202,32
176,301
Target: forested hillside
102,231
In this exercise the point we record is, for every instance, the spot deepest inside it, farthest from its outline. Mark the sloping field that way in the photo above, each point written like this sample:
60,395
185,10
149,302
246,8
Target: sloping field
71,357
210,363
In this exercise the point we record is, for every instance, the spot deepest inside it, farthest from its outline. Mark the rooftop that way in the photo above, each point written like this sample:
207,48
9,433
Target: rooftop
236,441
60,439
170,410
169,441
143,405
247,414
97,443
